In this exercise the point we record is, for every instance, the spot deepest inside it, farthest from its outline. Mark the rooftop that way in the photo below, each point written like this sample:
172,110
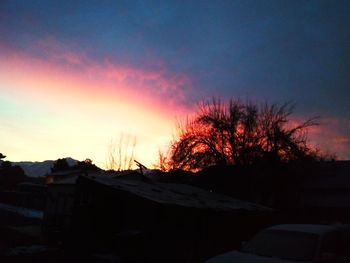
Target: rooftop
177,194
306,228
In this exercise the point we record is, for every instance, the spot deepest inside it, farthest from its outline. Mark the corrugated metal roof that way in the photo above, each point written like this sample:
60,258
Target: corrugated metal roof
306,228
70,180
177,194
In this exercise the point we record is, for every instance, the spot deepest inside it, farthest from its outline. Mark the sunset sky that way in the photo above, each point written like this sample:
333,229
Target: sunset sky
75,75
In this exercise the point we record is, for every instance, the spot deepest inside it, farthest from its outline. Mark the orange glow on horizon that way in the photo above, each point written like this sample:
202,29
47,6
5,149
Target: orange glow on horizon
73,106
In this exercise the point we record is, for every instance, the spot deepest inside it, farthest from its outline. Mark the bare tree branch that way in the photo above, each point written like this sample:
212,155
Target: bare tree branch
237,133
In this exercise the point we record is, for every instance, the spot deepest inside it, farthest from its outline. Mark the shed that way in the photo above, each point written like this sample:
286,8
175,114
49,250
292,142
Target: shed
158,219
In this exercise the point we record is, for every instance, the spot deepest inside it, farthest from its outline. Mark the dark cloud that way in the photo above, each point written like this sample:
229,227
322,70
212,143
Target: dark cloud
277,50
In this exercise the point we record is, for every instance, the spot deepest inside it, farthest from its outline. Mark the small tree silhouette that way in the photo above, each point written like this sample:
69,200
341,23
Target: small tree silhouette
2,157
86,165
60,165
120,155
10,175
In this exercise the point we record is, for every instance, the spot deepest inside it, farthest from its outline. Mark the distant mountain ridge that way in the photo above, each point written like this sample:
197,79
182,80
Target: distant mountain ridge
37,169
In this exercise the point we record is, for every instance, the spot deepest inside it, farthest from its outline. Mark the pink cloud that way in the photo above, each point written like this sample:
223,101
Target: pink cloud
94,98
333,136
159,83
67,71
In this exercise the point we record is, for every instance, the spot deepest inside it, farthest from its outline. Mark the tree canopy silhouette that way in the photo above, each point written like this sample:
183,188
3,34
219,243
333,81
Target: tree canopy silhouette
59,165
240,133
10,175
2,156
86,165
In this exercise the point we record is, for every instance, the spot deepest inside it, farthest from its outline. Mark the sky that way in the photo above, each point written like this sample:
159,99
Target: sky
76,75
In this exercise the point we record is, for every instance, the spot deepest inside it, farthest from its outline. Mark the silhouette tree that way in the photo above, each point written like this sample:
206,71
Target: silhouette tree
60,165
10,175
163,162
86,165
2,156
237,133
120,154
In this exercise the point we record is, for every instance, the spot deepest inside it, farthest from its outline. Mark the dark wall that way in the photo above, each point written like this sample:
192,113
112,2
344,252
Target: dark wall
141,229
27,200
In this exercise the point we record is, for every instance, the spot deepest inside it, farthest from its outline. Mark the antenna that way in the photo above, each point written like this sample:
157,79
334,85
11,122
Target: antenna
141,166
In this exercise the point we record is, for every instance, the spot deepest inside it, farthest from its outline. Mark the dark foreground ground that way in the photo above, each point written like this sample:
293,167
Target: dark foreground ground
21,241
